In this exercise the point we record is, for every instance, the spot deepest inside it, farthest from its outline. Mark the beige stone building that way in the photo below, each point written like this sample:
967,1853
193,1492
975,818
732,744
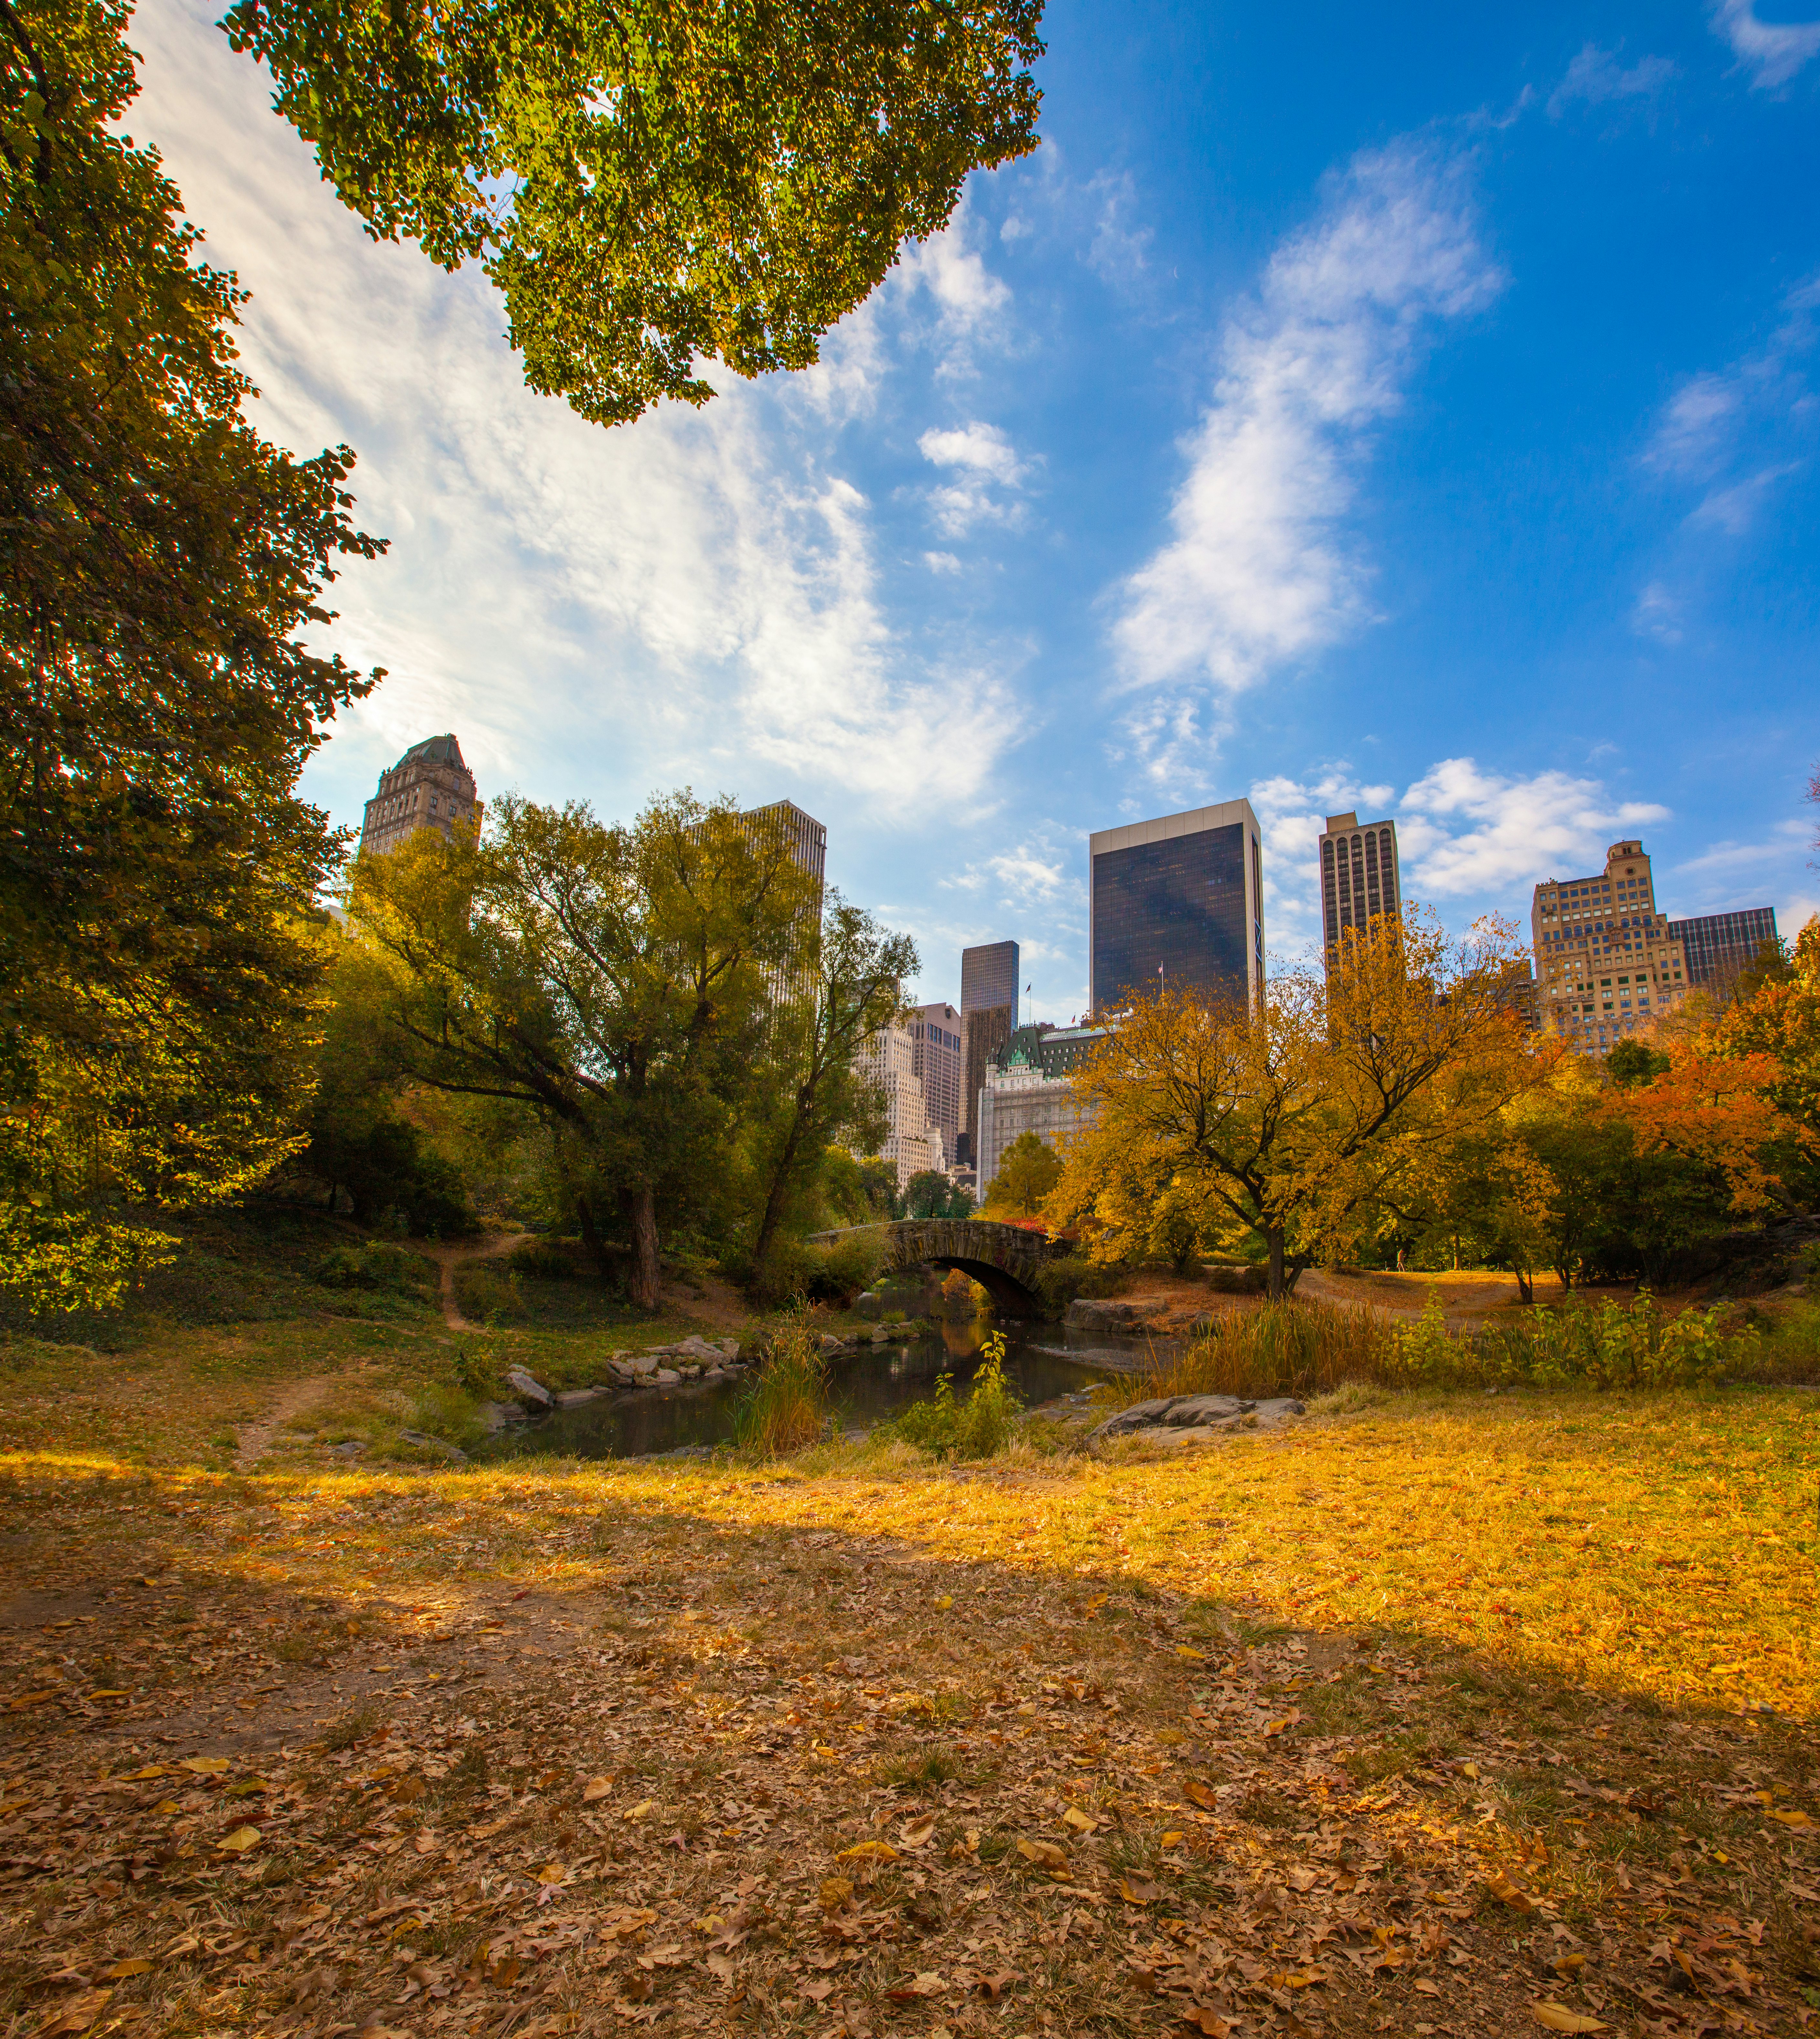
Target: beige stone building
912,1143
1607,965
429,787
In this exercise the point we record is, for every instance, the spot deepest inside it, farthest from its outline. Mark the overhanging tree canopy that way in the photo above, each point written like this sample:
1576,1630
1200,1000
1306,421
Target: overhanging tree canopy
653,182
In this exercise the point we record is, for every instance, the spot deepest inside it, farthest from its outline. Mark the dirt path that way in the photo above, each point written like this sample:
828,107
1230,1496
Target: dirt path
449,1258
255,1438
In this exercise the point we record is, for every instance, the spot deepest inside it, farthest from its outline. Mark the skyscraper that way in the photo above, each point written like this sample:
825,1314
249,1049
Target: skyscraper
1607,963
1177,902
988,1013
912,1143
1718,946
805,839
935,1036
429,787
1359,874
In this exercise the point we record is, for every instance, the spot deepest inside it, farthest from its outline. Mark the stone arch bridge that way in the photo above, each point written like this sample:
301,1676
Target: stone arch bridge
1004,1259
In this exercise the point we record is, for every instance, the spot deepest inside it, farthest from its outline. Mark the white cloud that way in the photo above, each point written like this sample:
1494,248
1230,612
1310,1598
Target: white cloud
1722,858
941,562
1595,76
1258,573
980,456
1461,830
1657,614
693,596
1772,51
1119,252
973,306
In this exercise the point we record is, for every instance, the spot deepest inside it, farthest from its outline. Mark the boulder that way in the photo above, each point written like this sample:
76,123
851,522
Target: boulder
531,1392
1094,1313
666,1376
640,1365
453,1453
578,1398
1173,1417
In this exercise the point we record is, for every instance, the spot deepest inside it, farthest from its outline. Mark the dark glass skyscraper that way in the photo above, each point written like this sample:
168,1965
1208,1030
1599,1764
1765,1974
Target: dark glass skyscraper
1177,902
1718,946
988,1013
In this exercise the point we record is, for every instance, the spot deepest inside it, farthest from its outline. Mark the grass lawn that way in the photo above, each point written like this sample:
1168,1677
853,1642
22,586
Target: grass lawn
1434,1714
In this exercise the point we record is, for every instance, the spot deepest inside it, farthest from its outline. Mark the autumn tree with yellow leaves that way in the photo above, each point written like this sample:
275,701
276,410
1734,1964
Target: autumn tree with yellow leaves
1291,1121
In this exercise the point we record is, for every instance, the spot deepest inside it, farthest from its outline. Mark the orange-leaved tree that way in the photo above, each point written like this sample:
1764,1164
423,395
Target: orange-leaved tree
1719,1112
1292,1120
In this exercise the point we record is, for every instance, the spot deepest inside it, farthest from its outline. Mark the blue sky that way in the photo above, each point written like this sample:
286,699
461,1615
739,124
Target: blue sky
1416,410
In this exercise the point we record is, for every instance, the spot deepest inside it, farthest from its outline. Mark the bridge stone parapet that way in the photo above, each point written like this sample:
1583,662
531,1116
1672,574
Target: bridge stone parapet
1004,1259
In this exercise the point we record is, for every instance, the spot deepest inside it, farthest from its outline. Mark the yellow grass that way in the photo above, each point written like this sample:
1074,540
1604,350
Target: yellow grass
1468,1637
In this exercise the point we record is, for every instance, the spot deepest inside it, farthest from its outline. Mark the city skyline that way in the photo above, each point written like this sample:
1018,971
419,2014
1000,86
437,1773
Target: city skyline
967,590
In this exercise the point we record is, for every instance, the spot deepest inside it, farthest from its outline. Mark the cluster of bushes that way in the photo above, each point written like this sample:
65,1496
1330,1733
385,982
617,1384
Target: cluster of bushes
833,1273
377,1265
1308,1348
1063,1280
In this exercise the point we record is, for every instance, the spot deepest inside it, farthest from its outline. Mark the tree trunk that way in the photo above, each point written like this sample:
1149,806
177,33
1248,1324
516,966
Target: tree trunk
780,1184
591,1238
1274,1235
642,1209
1525,1284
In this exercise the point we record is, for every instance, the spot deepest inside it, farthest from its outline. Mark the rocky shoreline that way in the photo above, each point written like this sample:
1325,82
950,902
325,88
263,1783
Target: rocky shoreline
692,1361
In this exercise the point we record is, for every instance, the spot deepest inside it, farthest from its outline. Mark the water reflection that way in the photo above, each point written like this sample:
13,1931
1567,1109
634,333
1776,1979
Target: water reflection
1042,1361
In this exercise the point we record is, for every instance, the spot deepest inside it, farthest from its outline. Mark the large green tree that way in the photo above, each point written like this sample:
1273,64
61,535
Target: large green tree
158,563
655,183
854,988
617,979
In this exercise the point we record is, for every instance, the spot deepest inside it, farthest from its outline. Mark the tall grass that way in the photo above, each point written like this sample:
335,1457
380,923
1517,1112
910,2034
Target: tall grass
1311,1348
788,1405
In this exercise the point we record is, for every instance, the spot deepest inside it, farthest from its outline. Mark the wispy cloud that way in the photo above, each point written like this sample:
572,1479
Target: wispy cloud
1258,572
692,597
1772,51
1596,76
1657,614
981,460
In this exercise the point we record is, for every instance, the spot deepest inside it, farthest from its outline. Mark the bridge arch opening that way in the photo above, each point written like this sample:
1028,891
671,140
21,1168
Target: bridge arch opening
1011,1297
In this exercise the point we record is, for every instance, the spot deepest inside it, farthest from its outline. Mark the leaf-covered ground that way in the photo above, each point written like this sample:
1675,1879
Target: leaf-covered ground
1442,1717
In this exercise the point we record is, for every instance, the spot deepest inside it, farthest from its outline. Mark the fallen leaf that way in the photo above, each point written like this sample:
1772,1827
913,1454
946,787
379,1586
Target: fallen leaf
1192,1656
1790,1818
869,1851
109,1692
1275,1727
597,1787
720,1965
1203,2018
1045,1855
928,1983
145,1776
136,1965
207,1766
80,2012
816,1991
639,1811
916,1833
993,1987
1470,1770
239,1841
1080,1821
1201,1794
1427,1987
945,1601
1506,1892
1138,1890
1557,2018
836,1891
551,1872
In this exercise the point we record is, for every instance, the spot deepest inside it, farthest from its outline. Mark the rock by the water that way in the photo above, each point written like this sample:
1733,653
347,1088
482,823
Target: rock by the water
1173,1417
666,1376
578,1398
453,1453
530,1390
1093,1313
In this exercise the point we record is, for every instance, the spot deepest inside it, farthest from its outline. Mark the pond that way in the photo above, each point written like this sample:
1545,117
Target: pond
1041,1361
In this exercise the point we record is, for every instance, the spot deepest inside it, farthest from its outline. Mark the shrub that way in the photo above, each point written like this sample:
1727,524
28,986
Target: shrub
380,1265
975,1428
545,1259
1061,1280
788,1403
833,1275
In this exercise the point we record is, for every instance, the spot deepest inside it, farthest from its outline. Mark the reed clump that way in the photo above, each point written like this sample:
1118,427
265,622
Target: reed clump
789,1403
1304,1349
